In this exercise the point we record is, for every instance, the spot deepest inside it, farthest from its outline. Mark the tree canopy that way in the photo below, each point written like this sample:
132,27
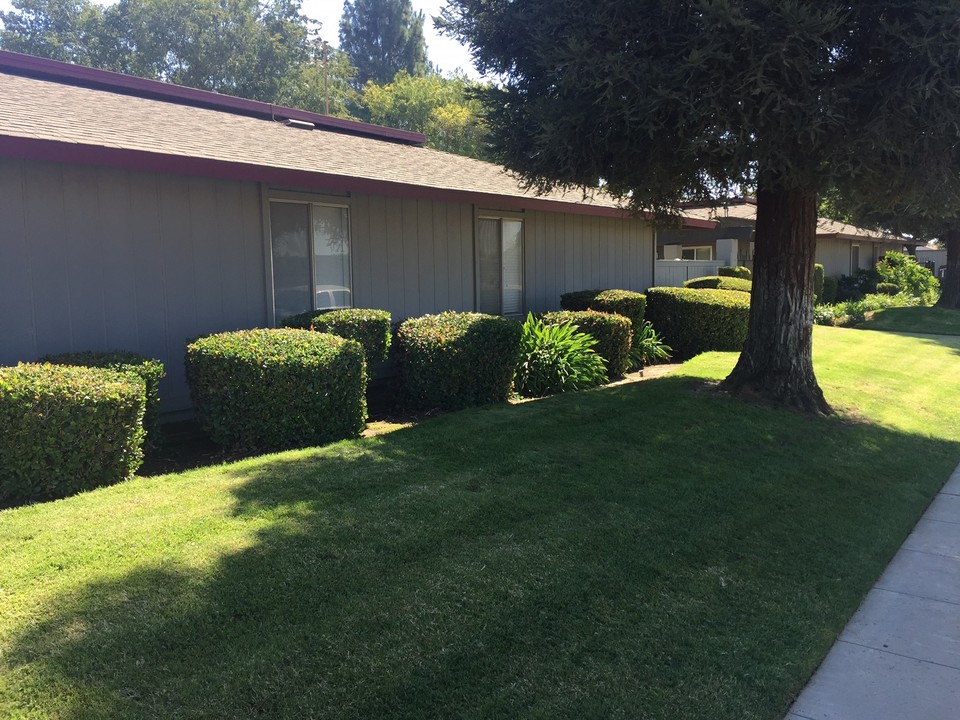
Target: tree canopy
240,47
663,101
444,109
383,37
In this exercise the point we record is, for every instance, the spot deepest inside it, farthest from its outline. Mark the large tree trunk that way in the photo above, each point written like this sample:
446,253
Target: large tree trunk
950,286
776,364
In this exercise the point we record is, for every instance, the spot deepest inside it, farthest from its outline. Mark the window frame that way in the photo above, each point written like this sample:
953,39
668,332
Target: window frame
695,248
499,217
854,268
310,200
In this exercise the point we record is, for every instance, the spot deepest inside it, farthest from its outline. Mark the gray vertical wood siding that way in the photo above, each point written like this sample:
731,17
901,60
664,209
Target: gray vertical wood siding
564,253
102,258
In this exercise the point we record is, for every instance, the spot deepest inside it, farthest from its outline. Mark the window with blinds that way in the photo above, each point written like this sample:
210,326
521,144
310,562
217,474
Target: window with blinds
500,266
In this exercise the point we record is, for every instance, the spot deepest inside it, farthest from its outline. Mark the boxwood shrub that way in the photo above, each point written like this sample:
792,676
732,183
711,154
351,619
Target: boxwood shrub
817,282
744,273
370,328
830,287
695,321
456,359
613,333
718,282
64,429
578,299
632,305
150,371
277,388
887,288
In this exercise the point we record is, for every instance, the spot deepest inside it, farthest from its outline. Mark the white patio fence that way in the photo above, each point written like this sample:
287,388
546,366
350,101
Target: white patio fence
673,273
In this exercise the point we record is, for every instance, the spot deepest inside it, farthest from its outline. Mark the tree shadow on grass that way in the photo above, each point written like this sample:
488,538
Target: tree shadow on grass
639,551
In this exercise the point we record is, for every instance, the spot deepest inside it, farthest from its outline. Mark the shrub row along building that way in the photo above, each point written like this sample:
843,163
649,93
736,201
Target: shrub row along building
137,215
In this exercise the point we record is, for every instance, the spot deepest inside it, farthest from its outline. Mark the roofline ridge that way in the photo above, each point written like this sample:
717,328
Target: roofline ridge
94,78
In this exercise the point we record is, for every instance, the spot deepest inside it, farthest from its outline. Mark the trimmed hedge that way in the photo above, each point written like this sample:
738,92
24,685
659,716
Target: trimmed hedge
456,359
630,304
579,299
613,333
370,328
277,388
695,321
64,429
149,370
717,282
744,273
888,288
817,282
830,288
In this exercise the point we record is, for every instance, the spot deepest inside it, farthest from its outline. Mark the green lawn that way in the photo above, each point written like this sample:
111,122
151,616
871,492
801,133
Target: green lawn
654,550
938,321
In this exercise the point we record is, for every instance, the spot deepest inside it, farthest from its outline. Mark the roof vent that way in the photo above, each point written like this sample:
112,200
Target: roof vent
302,124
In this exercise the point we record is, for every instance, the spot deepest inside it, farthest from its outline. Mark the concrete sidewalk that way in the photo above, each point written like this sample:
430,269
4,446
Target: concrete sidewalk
899,657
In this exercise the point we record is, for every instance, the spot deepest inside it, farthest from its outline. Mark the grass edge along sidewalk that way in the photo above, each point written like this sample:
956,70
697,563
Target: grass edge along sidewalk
654,550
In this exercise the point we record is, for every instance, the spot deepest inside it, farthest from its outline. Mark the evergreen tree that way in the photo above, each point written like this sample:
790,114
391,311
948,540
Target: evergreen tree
383,37
671,100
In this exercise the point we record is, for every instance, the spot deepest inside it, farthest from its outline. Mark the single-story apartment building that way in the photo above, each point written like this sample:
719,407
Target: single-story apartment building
137,214
934,258
842,249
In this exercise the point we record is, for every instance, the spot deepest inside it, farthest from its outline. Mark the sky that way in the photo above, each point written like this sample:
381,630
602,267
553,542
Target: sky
445,53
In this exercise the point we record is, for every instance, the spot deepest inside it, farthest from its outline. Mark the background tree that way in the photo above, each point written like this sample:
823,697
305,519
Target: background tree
66,30
670,100
240,47
444,109
324,84
383,37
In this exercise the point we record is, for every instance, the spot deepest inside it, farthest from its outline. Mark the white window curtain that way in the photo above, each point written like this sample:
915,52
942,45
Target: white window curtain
500,266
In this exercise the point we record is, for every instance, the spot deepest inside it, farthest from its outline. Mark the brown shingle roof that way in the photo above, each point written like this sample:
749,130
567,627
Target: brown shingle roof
825,227
35,112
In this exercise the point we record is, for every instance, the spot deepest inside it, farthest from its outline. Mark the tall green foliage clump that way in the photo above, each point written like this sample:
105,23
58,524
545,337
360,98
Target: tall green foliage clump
556,358
909,276
383,37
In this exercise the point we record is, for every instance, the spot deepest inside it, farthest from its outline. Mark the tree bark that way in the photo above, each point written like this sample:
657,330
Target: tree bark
950,285
776,364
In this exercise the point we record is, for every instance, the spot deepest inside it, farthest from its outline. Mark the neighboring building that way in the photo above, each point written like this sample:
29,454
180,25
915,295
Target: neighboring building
934,258
137,214
841,248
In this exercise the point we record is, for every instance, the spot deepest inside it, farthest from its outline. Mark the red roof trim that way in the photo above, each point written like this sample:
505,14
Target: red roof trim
43,68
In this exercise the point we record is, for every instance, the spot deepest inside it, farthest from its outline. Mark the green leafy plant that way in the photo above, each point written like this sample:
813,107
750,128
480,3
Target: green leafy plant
695,321
370,328
65,428
909,276
149,370
277,388
556,359
744,273
456,359
719,282
853,312
888,288
613,333
648,347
